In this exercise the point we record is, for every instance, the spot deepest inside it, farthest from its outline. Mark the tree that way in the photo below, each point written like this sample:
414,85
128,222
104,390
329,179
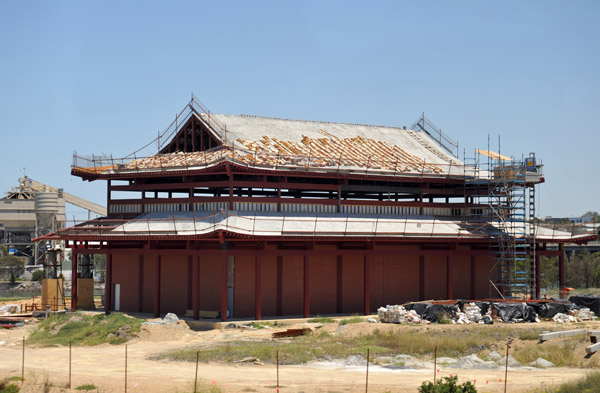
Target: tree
11,266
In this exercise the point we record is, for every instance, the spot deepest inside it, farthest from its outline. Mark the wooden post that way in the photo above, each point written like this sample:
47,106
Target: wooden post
257,289
366,284
23,363
140,283
108,285
561,266
224,272
196,377
367,380
125,368
421,277
340,283
473,277
279,304
196,287
449,291
70,364
190,282
435,364
74,255
306,286
157,263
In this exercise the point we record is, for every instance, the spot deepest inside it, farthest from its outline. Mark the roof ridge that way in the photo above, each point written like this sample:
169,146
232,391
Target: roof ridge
314,121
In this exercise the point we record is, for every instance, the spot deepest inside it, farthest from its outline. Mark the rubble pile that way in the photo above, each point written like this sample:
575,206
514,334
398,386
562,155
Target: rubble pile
398,314
584,314
472,314
7,309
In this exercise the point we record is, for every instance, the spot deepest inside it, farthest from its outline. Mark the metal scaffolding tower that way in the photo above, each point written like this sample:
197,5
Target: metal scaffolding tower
510,219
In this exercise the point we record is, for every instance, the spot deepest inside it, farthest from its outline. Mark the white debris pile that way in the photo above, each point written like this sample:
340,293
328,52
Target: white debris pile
583,314
398,314
7,309
563,318
471,314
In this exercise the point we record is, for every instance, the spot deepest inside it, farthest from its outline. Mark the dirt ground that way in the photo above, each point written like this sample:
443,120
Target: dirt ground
104,366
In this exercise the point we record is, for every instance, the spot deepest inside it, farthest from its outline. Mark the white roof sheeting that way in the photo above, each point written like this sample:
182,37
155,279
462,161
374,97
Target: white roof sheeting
311,224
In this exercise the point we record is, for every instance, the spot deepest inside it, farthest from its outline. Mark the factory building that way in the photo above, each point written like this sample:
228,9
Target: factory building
247,217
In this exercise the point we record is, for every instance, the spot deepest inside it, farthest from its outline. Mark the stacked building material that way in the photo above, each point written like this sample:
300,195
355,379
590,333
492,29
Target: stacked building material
398,314
471,314
584,314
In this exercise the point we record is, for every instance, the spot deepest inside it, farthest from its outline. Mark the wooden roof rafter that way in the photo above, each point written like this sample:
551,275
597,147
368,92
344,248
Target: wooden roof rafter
193,136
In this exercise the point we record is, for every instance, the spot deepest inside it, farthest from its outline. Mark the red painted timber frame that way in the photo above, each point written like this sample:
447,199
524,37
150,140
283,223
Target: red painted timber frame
367,253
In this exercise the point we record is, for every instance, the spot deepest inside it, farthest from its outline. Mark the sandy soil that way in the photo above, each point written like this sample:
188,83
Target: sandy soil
104,366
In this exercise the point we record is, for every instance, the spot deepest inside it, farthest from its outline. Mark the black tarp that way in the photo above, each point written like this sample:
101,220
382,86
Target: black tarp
550,309
589,301
509,312
434,312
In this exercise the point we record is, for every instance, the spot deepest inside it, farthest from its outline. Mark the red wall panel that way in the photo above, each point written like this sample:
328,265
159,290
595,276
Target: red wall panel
323,284
435,277
173,284
461,276
210,283
293,285
148,301
125,273
269,285
243,306
353,284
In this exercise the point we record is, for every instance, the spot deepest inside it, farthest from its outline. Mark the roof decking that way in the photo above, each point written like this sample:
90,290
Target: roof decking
269,143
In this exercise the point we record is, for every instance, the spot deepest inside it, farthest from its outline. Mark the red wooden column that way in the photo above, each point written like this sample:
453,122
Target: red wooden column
196,287
561,265
306,286
366,284
449,291
279,304
140,283
473,277
157,286
190,282
74,255
224,268
108,301
340,283
421,277
538,276
257,289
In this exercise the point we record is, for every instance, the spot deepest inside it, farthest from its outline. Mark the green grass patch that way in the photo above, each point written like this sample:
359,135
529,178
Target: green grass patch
321,320
81,329
262,325
451,341
590,383
86,387
13,298
7,387
351,320
15,379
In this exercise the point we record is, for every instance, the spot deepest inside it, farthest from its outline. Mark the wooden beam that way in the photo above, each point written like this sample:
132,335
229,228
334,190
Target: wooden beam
140,283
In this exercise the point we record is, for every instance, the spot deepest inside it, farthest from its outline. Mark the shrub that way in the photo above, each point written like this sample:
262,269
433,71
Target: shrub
447,385
37,275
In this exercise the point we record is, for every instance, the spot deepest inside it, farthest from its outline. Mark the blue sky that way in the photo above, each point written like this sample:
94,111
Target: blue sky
105,77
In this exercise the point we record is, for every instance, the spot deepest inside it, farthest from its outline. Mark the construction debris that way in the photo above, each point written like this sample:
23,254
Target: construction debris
567,333
563,318
398,314
7,309
292,333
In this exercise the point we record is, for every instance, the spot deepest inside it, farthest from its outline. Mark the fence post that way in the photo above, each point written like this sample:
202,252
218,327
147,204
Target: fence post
506,366
23,363
367,380
196,377
277,369
125,368
435,364
70,364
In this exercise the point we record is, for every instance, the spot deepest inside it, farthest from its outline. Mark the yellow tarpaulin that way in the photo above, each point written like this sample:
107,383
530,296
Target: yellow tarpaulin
493,154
